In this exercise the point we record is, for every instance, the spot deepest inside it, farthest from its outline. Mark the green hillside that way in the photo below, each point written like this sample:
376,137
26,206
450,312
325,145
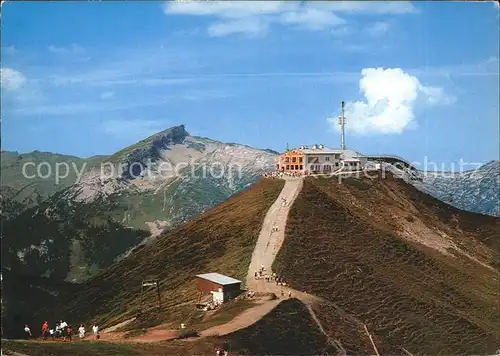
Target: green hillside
31,186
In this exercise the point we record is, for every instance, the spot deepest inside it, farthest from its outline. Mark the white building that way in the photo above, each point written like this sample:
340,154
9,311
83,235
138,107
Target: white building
320,159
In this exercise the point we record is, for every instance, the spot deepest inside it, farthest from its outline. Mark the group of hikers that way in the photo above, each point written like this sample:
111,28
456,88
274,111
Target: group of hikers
280,281
278,174
62,330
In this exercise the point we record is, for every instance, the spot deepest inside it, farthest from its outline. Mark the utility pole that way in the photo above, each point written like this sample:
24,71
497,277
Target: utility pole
342,128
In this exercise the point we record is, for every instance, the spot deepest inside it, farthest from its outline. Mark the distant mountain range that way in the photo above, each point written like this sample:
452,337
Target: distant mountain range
477,190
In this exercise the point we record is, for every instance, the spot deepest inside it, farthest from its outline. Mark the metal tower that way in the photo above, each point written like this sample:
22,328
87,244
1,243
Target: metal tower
342,128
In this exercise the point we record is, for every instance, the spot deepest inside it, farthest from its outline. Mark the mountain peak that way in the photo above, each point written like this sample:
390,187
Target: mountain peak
174,134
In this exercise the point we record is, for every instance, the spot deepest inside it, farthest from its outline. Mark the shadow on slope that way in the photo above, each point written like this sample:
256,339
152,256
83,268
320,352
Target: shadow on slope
384,254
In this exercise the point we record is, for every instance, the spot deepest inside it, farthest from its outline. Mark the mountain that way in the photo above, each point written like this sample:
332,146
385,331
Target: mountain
477,190
20,175
421,275
171,177
87,222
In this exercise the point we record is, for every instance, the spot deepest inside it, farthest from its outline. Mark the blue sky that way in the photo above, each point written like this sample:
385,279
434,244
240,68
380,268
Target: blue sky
419,79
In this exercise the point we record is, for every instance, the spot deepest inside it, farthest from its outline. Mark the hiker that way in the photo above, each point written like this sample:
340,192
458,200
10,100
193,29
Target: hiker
27,330
58,330
255,275
282,293
52,333
225,348
81,331
289,294
63,325
69,332
274,275
95,330
277,279
45,329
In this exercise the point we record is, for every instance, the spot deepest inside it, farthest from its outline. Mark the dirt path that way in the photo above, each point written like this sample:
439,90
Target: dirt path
243,320
269,241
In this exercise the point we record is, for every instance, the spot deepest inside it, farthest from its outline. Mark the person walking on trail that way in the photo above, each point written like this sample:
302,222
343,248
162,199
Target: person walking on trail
95,330
225,349
45,329
58,330
27,331
69,332
256,275
289,294
52,333
282,293
81,331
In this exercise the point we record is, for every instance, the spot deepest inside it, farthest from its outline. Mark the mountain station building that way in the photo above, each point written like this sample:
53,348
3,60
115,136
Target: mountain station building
317,159
222,288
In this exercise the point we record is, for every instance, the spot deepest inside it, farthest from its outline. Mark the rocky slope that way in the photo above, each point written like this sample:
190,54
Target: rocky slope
171,177
477,190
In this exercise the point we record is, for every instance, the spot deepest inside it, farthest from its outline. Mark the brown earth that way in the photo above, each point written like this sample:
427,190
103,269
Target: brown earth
420,274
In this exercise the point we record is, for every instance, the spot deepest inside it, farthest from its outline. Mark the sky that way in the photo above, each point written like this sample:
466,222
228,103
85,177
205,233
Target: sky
418,79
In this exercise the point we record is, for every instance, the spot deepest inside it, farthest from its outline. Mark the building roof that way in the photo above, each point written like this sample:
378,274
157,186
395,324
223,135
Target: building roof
218,278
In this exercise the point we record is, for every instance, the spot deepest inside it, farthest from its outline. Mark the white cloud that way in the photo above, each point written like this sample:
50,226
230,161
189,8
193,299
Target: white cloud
390,98
132,129
251,27
313,19
367,7
107,95
378,29
11,78
256,16
227,9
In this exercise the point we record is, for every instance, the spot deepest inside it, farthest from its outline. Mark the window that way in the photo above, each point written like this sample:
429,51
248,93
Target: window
300,160
327,158
301,167
294,159
287,159
287,166
296,166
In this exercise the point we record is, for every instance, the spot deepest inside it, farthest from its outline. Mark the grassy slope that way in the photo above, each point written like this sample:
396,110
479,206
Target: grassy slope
267,336
220,240
12,171
411,296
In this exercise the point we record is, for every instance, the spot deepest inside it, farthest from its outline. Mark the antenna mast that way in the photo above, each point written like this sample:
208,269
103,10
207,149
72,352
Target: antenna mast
342,128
